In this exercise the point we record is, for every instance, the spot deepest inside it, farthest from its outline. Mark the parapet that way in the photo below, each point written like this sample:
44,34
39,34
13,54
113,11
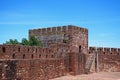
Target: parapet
104,50
92,50
31,52
57,29
22,52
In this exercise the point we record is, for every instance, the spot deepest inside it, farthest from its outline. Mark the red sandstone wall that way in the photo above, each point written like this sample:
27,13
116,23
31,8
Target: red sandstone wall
108,58
29,52
32,63
36,69
75,63
74,37
78,39
81,63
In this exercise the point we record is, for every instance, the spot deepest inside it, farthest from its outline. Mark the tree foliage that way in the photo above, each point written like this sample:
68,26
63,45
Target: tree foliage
12,41
25,41
31,42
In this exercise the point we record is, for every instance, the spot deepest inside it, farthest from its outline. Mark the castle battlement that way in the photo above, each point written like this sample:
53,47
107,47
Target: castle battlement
104,50
53,30
65,50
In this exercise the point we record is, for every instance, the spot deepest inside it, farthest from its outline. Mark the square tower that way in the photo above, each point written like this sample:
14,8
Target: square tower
76,37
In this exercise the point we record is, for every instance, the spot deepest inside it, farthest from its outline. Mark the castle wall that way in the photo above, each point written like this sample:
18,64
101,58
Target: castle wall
32,63
81,63
36,69
65,50
73,63
75,37
108,58
29,52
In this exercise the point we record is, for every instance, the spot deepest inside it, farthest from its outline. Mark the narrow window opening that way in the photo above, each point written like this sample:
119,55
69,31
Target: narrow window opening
46,56
3,49
13,56
23,56
118,53
32,56
39,55
104,52
19,49
36,50
51,56
79,48
28,49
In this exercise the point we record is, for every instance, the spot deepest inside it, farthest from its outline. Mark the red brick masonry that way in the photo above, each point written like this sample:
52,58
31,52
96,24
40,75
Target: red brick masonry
65,50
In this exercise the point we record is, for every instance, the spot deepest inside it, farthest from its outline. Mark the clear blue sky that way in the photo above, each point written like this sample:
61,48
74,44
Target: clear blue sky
101,17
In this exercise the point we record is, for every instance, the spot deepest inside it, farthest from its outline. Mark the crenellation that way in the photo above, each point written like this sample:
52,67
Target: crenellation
107,51
35,32
118,51
82,30
70,27
59,28
113,51
75,28
92,50
43,30
100,51
53,29
65,50
106,58
64,28
104,50
49,30
39,31
85,31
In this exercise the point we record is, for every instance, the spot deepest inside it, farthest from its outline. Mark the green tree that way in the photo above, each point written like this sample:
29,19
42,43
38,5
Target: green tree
31,42
34,41
25,41
12,41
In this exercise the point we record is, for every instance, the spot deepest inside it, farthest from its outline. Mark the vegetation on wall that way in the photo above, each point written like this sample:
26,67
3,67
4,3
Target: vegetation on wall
34,41
24,41
12,41
31,42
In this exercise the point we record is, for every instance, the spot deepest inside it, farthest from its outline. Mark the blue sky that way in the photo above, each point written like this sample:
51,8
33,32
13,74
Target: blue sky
101,17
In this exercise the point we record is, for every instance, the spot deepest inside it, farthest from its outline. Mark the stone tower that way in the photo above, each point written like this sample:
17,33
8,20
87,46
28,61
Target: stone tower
73,36
76,37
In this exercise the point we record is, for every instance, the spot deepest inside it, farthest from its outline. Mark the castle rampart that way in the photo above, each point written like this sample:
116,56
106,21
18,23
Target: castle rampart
65,50
106,59
36,69
29,63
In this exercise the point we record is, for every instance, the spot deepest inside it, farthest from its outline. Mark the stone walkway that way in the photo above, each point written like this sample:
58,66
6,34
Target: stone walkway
93,76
